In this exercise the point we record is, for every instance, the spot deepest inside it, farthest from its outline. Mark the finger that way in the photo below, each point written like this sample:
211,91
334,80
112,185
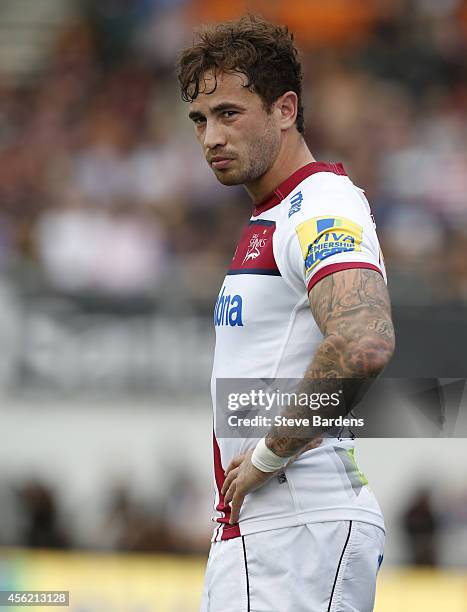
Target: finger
230,492
236,504
228,481
236,461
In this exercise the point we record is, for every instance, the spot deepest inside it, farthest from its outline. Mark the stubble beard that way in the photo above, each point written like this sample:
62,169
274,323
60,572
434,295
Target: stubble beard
261,153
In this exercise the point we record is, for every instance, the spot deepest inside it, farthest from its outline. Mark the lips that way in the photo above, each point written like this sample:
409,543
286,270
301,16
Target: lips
220,163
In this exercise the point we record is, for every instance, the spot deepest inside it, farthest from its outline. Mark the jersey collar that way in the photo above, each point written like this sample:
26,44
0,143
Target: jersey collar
283,190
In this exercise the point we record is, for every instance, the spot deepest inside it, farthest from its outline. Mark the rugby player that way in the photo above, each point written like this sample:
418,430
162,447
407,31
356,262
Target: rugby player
297,527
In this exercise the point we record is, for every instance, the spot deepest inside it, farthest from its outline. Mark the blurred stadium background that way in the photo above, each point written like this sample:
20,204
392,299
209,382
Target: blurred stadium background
114,236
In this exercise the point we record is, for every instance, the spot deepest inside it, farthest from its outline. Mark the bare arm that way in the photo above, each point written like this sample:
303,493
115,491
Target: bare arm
352,310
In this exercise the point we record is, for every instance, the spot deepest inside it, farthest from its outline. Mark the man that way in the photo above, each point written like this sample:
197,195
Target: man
304,297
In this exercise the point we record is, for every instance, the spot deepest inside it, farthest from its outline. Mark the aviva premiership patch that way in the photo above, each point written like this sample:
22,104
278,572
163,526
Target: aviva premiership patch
323,237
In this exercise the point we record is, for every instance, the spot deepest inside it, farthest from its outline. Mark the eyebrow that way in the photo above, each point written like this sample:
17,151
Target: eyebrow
194,115
218,108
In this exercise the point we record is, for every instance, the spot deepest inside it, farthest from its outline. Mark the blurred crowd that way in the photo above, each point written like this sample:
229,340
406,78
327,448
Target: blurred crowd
432,522
104,192
36,514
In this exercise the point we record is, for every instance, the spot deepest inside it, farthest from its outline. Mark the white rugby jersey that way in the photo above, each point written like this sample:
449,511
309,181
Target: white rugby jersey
315,223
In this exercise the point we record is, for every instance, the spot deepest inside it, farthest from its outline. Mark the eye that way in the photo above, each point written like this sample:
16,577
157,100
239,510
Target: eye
198,121
229,114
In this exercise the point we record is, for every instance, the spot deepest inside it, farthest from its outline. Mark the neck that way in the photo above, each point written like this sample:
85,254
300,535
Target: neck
293,154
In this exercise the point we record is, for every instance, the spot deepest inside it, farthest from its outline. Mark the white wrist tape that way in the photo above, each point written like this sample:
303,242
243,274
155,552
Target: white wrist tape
265,460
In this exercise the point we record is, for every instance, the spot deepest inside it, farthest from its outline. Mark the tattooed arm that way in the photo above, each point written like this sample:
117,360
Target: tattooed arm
353,312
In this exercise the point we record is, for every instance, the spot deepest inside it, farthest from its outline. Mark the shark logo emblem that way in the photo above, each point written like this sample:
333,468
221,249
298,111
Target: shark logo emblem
255,246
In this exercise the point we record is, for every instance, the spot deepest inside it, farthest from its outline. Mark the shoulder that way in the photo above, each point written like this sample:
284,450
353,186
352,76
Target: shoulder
322,196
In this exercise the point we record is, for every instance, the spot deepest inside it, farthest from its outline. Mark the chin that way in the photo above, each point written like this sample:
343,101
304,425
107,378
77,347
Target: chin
228,178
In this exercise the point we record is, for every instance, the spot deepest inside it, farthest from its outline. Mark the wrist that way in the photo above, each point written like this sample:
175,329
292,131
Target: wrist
265,460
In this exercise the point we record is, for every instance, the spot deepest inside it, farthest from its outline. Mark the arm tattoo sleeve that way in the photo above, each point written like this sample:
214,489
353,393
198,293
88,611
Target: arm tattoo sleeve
353,312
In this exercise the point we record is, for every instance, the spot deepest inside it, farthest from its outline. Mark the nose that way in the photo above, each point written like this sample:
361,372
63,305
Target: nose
214,135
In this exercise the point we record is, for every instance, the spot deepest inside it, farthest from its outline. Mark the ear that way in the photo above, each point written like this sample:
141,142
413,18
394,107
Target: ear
286,109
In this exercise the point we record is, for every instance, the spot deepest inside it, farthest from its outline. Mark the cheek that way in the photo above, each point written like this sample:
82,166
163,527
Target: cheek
251,136
263,137
199,133
264,129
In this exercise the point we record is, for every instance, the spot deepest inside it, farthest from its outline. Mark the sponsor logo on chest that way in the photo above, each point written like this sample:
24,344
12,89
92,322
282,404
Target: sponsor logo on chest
228,310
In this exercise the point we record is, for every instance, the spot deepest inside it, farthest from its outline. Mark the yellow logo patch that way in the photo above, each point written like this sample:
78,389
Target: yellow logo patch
322,237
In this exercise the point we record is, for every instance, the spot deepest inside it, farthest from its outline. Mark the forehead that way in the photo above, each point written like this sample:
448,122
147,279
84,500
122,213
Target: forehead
230,87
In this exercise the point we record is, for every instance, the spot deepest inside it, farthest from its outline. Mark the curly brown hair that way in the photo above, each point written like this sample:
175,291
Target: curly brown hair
262,51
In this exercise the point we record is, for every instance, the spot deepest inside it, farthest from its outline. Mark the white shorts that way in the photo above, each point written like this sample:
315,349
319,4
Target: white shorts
317,567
